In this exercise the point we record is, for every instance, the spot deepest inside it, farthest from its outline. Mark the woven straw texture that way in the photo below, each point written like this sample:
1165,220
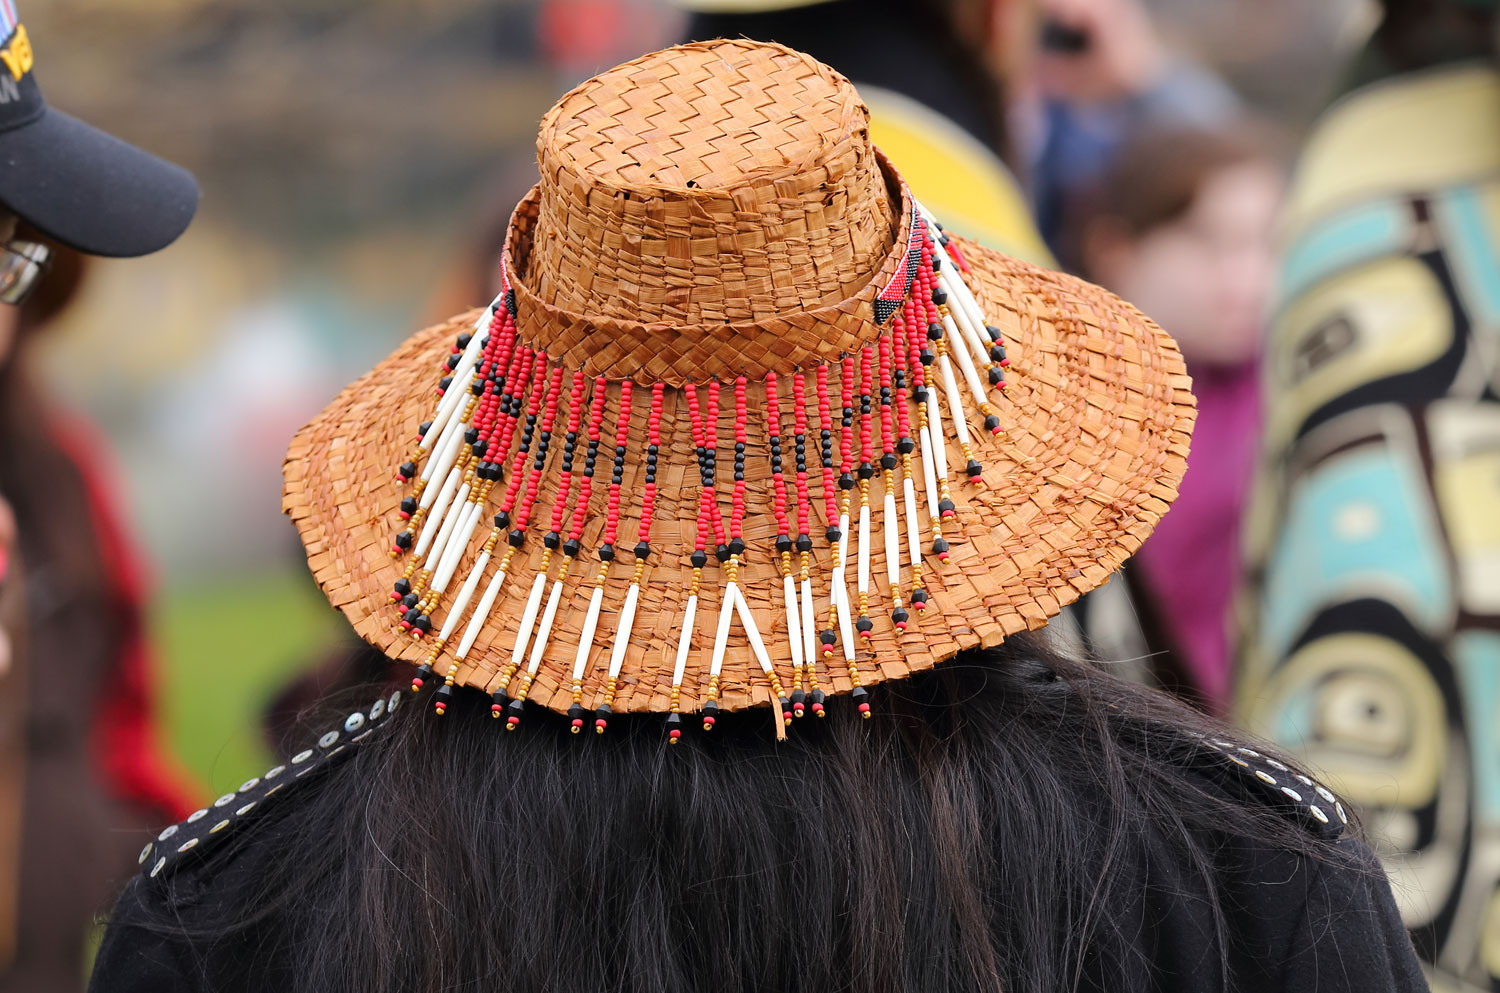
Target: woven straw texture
1094,430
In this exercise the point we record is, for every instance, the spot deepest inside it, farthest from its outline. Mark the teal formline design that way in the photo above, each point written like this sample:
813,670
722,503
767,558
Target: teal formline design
1344,241
1360,524
1475,258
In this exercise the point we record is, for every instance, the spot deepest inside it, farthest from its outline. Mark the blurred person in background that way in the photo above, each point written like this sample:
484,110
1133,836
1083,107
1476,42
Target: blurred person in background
936,75
1182,226
1103,75
1371,629
86,766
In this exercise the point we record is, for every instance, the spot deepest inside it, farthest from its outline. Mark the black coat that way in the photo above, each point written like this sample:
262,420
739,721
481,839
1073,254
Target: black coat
1294,924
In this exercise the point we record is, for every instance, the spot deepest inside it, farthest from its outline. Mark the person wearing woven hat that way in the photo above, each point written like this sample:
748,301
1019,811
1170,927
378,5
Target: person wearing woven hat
79,762
715,544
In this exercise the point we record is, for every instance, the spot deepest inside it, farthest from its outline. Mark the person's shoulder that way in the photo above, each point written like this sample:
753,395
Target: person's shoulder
182,848
1255,777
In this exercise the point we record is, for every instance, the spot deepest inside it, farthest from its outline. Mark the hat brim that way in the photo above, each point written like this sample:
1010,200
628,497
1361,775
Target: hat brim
91,191
1093,443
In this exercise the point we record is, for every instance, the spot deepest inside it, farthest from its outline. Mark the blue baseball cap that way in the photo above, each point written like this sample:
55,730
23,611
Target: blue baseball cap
74,183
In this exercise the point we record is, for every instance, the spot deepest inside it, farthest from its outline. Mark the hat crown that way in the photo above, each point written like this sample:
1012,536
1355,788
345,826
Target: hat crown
710,183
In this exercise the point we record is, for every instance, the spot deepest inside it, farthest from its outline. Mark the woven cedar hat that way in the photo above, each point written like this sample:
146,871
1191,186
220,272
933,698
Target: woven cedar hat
737,429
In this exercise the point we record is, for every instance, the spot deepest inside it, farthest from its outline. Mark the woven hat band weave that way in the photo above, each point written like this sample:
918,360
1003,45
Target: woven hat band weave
721,182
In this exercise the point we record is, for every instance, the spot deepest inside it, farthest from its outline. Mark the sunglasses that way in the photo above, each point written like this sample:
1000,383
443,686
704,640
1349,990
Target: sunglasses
22,265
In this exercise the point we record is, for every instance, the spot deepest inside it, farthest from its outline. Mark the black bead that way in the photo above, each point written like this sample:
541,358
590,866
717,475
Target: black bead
403,586
833,534
900,616
939,295
424,673
571,547
502,520
517,708
866,470
552,539
464,339
722,553
846,481
620,450
974,468
452,362
478,448
994,332
921,394
444,693
997,354
736,546
651,450
783,544
934,332
905,445
699,559
939,546
919,596
403,540
926,356
423,623
642,549
424,427
888,461
408,469
991,422
673,720
606,553
825,434
710,708
516,538
500,698
828,637
860,694
804,543
864,624
739,448
945,506
445,382
409,600
408,505
576,712
937,262
996,376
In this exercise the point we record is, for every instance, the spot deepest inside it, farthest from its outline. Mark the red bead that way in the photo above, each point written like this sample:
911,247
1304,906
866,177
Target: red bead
416,684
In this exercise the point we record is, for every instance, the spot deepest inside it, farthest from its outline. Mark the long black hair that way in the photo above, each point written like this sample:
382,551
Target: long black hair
973,835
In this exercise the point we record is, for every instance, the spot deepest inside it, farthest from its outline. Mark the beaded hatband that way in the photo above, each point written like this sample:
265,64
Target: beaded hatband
491,375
